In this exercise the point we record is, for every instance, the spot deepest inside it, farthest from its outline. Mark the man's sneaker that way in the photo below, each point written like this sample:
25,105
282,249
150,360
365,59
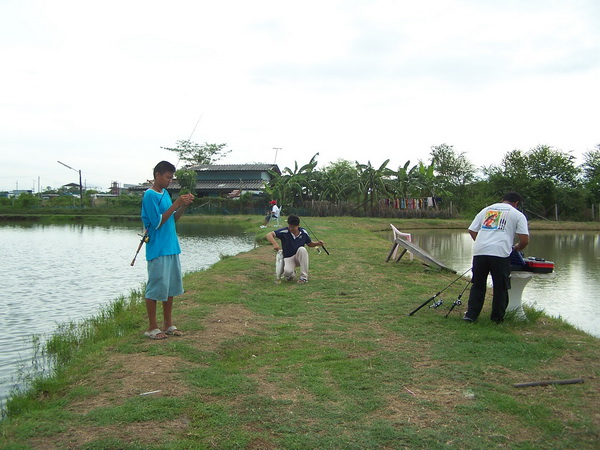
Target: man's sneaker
303,280
467,319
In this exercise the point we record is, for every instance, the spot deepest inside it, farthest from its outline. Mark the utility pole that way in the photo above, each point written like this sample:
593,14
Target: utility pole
276,150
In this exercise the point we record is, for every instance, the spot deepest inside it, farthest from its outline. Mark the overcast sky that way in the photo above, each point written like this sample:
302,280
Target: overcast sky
101,86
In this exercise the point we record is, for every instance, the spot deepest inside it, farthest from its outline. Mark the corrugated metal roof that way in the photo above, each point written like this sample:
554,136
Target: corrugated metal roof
213,185
230,184
234,167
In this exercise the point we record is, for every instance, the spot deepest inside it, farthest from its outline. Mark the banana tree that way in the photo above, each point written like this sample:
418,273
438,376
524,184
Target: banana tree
372,184
407,182
339,181
292,185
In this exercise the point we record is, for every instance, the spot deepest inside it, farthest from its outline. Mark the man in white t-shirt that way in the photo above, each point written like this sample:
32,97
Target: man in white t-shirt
493,231
273,214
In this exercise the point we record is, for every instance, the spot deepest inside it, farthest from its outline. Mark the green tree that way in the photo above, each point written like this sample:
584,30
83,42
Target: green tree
543,176
372,184
454,173
591,174
27,200
338,181
545,162
292,186
407,181
427,181
453,169
591,163
196,154
187,180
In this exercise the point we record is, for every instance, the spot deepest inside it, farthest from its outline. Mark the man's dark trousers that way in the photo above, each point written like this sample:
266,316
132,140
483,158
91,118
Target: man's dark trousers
499,268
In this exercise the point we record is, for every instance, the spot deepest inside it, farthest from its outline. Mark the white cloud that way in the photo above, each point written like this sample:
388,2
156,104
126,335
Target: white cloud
102,86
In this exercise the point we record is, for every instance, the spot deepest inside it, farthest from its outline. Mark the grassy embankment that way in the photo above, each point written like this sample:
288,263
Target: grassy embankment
336,363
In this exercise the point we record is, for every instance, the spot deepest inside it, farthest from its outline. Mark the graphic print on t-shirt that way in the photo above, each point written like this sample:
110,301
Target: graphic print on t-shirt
494,220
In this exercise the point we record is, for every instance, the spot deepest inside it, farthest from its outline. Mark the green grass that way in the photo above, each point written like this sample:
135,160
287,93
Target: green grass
336,363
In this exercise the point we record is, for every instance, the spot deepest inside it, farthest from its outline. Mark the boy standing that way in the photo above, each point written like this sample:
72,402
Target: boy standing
159,214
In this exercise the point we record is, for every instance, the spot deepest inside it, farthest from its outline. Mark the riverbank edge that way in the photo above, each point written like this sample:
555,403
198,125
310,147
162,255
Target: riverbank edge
250,223
326,229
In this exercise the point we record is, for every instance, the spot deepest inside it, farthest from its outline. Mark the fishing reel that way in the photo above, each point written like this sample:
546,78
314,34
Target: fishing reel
437,304
145,238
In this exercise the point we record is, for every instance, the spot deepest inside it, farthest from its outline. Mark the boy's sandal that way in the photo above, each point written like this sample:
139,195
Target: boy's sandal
173,331
155,334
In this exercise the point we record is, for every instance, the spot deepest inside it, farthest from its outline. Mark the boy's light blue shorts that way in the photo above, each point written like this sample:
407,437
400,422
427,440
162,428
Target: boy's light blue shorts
164,278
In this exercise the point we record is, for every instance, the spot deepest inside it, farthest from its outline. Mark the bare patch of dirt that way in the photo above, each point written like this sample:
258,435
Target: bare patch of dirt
224,323
131,375
144,433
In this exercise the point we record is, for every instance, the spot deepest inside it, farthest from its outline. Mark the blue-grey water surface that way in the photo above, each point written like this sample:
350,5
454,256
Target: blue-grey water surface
53,274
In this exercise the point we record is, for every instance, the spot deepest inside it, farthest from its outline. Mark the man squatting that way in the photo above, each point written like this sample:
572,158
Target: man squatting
293,239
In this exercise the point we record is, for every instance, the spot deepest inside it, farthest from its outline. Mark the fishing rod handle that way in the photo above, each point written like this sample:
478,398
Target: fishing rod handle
450,310
422,305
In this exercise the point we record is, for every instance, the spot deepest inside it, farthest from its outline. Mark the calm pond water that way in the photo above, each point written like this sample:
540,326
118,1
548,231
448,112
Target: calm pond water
53,274
571,294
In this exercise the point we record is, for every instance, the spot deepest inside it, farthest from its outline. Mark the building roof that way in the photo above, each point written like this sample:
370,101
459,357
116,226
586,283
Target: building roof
227,185
213,185
234,167
218,185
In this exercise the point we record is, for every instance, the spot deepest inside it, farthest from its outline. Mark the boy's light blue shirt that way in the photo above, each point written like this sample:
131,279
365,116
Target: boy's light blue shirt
163,238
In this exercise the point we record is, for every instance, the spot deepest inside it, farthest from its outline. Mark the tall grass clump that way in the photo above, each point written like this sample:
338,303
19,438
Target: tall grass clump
71,340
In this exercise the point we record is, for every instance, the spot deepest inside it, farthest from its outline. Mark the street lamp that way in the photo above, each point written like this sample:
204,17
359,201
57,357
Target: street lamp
80,185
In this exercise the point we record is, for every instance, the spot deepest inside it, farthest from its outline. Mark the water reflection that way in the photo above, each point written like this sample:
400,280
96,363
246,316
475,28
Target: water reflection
57,273
571,294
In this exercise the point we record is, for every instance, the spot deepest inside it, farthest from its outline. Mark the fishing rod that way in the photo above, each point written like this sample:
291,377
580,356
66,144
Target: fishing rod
189,140
458,301
145,239
433,297
314,235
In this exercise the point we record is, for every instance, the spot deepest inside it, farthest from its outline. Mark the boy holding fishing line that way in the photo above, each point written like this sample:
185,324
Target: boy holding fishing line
159,214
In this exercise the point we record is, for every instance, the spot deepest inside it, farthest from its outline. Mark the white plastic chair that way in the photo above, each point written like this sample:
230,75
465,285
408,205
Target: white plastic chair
276,219
400,234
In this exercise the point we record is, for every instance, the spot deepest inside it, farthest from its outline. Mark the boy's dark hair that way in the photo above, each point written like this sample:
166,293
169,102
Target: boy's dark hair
163,167
293,220
512,197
